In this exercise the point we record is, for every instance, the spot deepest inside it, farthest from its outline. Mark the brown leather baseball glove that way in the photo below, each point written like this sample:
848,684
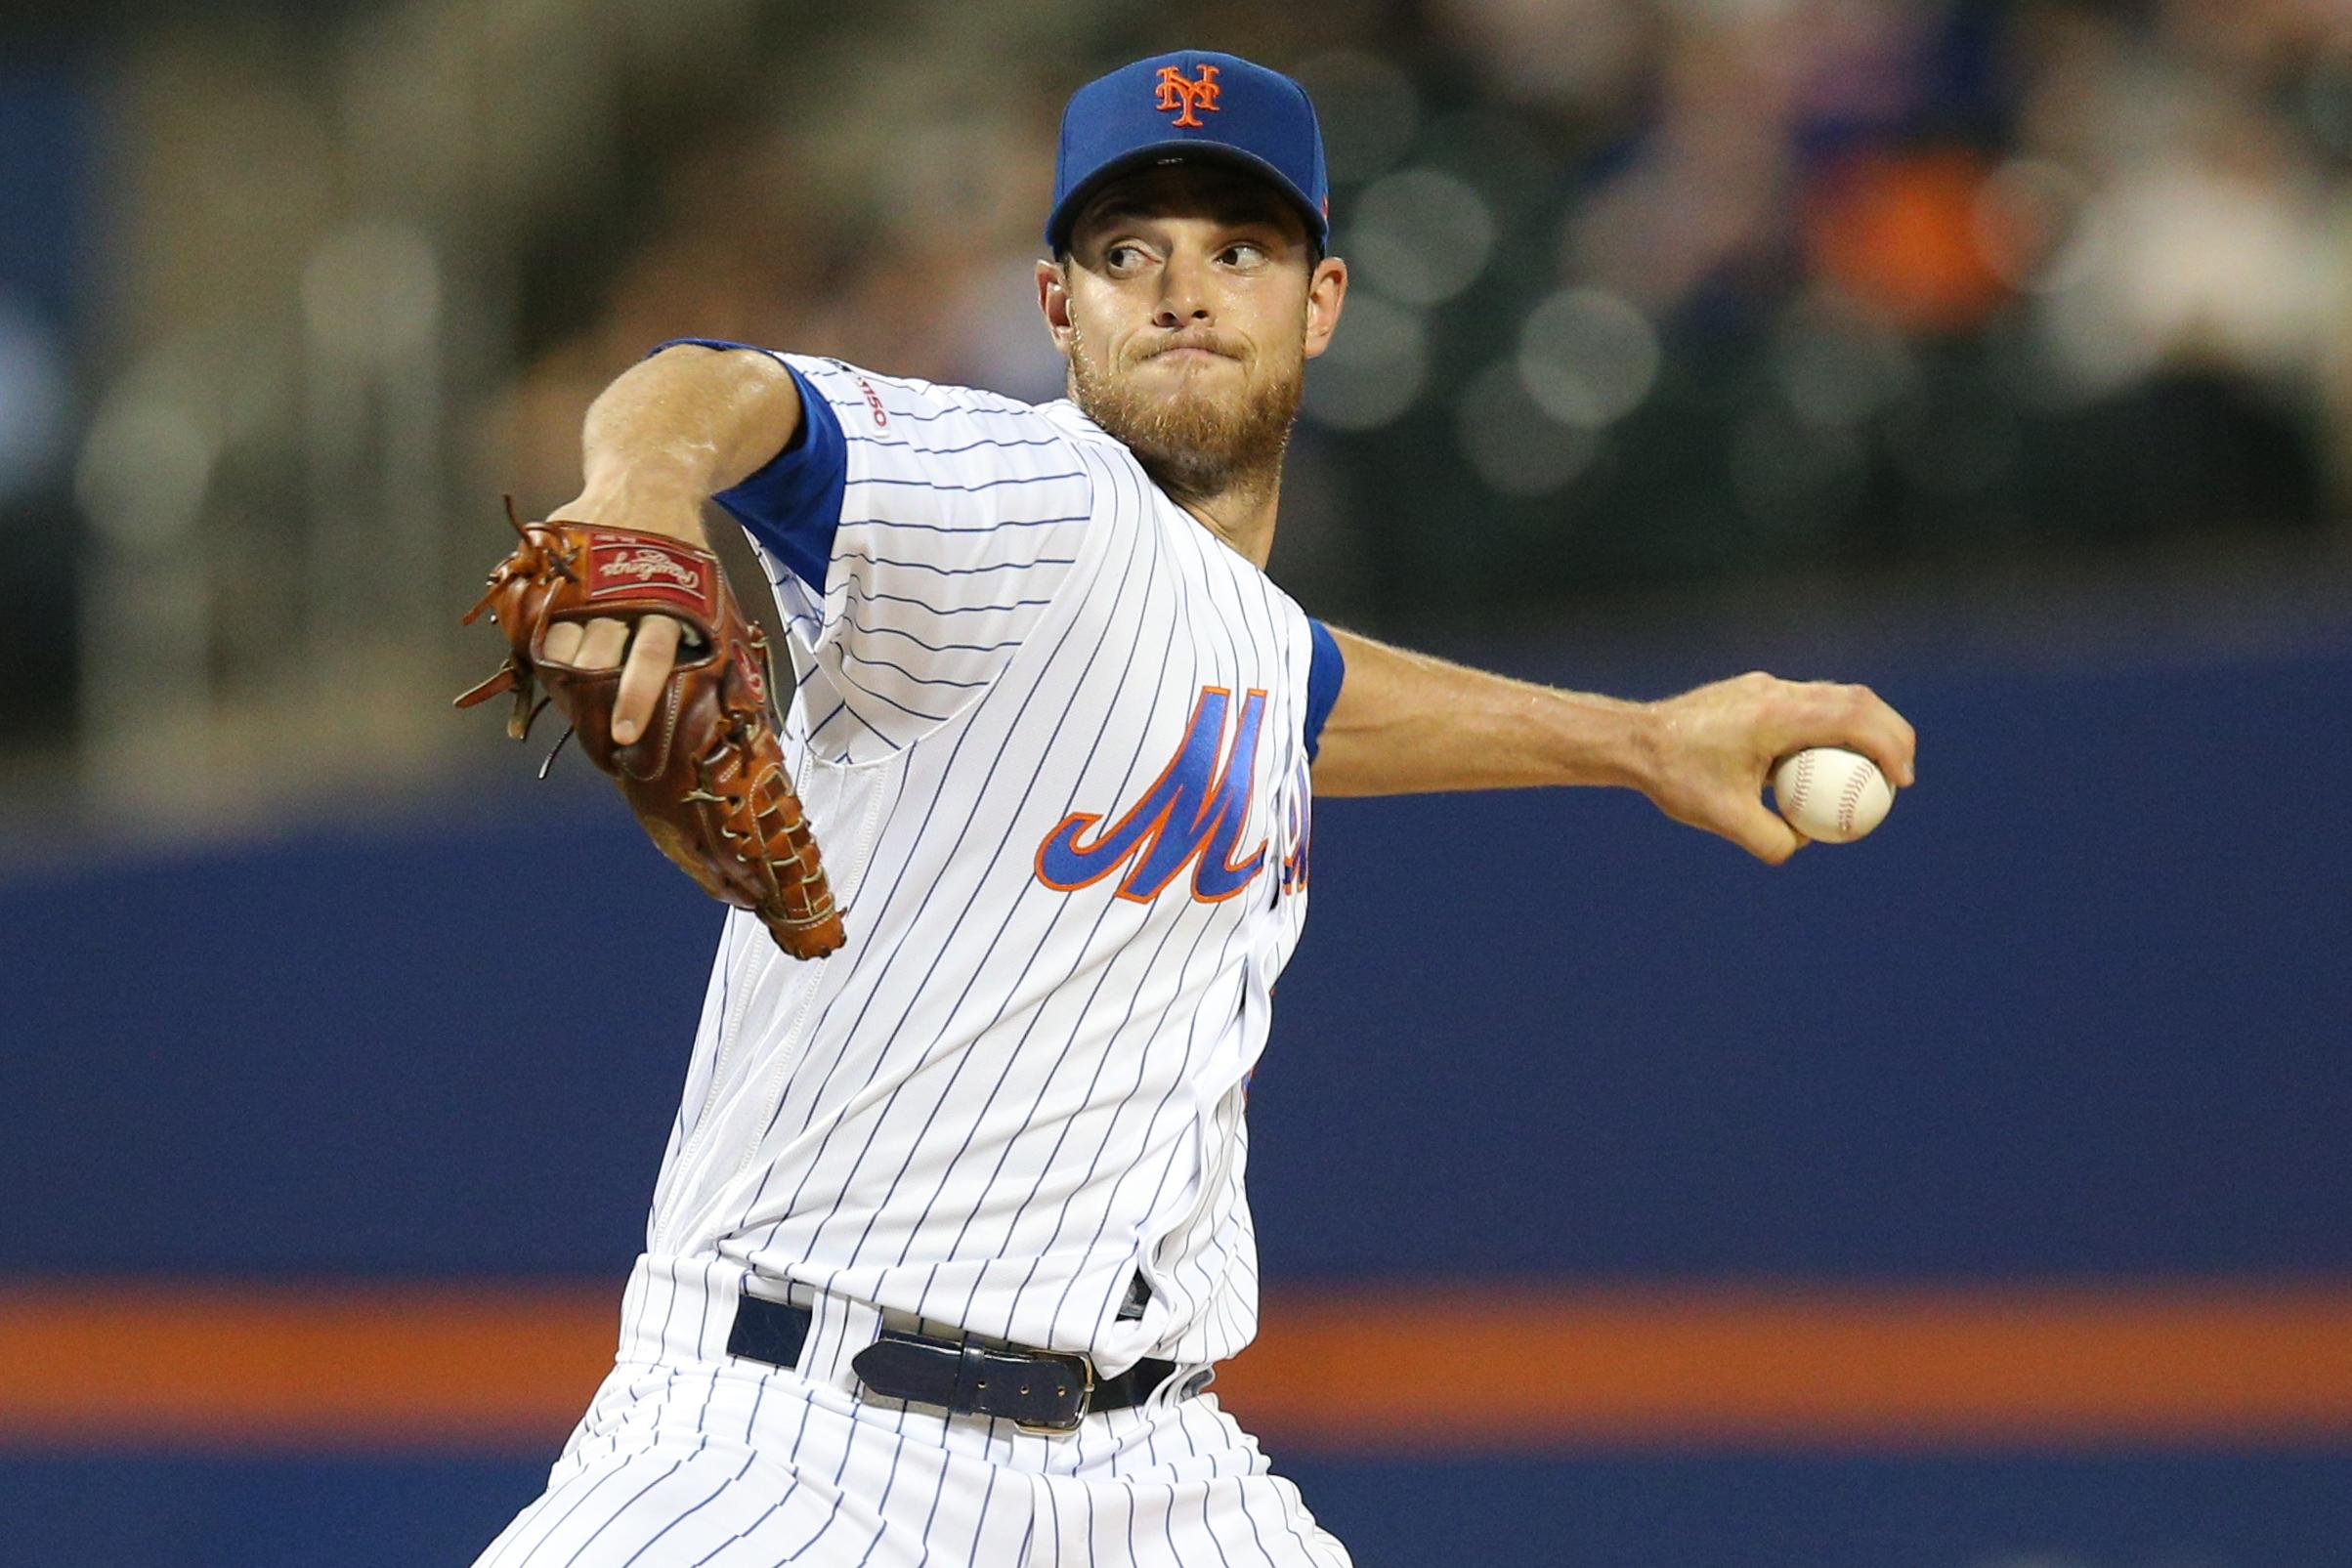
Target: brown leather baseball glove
707,779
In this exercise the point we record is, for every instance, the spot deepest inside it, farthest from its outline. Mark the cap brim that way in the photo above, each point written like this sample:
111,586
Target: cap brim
1179,149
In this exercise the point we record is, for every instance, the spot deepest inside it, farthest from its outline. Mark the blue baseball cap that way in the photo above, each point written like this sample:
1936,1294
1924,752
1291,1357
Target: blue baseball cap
1193,106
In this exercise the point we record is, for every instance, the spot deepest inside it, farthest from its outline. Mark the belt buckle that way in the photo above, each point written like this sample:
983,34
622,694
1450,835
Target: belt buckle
1077,1361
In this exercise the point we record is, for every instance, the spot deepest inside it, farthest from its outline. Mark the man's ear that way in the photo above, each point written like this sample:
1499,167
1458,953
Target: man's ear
1326,291
1054,299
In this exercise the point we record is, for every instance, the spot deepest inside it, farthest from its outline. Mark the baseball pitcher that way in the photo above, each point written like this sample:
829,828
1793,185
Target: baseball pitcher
951,1233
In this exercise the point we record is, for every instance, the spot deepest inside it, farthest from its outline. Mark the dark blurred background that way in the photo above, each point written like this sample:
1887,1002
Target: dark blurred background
1997,354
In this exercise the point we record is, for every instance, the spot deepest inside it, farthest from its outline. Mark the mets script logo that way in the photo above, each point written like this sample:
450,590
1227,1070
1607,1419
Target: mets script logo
1192,816
1179,93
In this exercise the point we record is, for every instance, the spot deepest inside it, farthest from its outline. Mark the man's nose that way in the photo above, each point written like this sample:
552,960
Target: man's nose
1183,294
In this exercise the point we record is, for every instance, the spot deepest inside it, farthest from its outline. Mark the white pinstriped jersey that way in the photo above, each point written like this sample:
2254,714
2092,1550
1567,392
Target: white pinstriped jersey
1053,737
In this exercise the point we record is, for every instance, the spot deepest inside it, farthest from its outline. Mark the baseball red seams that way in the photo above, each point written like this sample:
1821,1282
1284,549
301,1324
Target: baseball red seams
1850,796
1802,786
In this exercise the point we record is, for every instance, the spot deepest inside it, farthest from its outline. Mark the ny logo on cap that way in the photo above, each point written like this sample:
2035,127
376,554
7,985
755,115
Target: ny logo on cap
1179,93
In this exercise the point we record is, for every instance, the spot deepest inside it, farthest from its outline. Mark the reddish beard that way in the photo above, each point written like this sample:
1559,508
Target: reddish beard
1194,443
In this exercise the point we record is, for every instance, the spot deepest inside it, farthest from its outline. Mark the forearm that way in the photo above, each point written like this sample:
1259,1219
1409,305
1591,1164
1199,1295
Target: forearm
1405,723
678,428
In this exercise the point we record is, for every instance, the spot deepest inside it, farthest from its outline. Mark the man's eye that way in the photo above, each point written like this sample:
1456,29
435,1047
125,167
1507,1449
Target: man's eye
1245,254
1123,255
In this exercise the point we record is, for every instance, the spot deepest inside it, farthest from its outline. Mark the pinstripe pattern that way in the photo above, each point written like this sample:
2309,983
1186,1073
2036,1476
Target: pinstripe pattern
1002,1101
1008,1096
962,518
683,1460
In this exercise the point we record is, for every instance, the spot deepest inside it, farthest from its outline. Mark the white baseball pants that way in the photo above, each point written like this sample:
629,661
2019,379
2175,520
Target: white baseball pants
690,1457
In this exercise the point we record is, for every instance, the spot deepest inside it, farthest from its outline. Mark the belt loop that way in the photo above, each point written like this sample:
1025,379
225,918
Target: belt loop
769,1331
971,1367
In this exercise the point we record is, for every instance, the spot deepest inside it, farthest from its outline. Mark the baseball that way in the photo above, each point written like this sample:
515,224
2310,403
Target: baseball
1831,795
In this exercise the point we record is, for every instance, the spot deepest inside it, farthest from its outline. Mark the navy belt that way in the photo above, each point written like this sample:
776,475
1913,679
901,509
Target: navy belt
1037,1390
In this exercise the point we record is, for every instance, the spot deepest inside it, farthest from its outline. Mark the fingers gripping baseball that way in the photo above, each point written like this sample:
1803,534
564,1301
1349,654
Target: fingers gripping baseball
1762,833
1791,715
1733,809
1876,731
1717,746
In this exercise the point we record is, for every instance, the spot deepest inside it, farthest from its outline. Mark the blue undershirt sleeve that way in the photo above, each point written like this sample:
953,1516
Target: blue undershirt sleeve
793,503
1325,670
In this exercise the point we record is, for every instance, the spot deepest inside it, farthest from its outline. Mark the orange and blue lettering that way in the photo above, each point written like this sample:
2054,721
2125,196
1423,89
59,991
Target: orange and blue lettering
1192,816
1302,832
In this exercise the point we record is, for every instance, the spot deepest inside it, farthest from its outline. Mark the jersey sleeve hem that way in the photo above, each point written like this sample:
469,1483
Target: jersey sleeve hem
791,504
1326,668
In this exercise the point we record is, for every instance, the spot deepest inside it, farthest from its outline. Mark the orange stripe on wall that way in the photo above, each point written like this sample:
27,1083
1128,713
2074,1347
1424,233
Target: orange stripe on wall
507,1367
498,1367
1847,1368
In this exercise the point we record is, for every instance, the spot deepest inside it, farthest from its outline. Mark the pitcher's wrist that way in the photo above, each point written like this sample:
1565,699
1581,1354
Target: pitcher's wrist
662,506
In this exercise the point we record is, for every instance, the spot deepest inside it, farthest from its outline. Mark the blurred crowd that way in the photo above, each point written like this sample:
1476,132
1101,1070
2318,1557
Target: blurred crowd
1647,290
1644,292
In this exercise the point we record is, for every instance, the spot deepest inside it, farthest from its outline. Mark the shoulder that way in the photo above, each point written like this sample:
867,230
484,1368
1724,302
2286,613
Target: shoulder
900,406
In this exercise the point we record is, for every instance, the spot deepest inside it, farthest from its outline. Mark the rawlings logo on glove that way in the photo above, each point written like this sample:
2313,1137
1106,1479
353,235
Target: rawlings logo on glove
614,570
707,779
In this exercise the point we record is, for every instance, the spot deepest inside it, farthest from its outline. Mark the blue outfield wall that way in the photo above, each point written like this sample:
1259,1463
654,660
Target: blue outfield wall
2079,1010
2080,1007
2150,1510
